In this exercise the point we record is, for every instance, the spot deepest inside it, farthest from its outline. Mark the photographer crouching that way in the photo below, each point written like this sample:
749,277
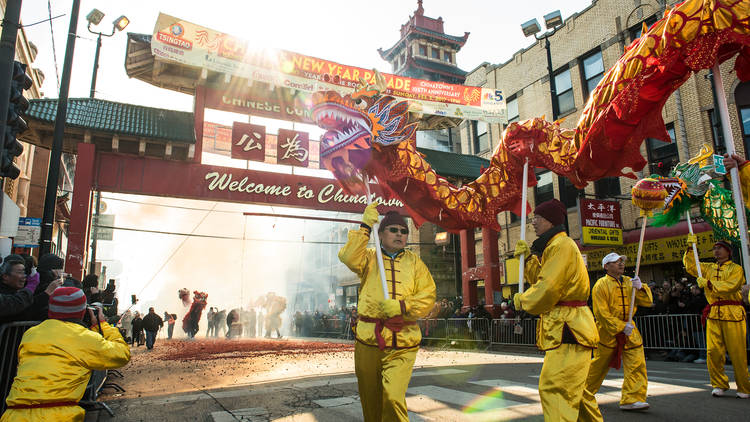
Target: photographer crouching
56,357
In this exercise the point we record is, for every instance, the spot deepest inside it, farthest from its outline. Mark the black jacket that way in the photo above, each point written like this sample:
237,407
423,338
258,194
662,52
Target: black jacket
20,305
152,322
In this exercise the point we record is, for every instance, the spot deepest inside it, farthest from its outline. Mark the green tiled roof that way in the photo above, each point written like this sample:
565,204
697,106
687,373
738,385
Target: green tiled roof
120,118
458,40
449,164
441,67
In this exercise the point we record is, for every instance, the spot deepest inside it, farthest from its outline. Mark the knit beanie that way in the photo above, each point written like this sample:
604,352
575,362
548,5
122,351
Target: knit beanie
67,303
724,244
50,262
553,211
391,218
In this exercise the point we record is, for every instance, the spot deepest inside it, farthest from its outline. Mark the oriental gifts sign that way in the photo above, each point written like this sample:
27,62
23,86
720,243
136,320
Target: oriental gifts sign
600,222
248,141
293,148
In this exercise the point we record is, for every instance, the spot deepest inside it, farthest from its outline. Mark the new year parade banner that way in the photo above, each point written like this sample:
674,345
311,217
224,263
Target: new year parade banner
184,42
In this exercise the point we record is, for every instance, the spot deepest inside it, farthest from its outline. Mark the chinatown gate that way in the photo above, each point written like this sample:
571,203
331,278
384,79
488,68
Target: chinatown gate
126,160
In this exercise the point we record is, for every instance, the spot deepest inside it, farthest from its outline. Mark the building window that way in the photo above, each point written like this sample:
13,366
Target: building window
481,136
511,105
448,56
422,50
564,92
635,30
742,99
568,193
745,117
607,187
544,189
716,134
662,155
593,70
435,53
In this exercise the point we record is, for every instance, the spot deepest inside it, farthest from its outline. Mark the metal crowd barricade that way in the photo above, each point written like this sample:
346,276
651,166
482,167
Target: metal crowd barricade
512,332
433,330
468,330
330,328
10,338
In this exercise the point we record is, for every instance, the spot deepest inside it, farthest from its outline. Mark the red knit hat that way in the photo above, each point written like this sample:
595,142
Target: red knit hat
67,303
553,211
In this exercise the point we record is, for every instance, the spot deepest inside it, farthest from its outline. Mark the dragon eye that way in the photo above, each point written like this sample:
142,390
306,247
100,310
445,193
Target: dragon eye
360,103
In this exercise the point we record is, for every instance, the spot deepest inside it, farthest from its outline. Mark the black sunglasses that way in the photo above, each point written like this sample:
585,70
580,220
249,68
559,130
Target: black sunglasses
396,230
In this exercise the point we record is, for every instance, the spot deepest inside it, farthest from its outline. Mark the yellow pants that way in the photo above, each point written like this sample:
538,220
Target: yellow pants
382,378
727,337
634,384
48,414
562,381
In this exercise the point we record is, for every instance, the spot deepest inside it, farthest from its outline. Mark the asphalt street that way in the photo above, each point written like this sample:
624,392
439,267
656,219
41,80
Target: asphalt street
480,392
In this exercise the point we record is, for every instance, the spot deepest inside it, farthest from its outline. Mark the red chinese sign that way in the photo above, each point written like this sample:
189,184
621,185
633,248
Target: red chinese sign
600,222
248,141
293,148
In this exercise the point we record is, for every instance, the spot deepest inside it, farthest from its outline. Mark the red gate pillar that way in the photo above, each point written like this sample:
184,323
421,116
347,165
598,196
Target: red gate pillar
491,270
468,263
78,230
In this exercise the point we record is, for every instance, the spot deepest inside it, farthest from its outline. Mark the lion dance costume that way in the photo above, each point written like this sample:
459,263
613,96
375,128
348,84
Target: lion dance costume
193,317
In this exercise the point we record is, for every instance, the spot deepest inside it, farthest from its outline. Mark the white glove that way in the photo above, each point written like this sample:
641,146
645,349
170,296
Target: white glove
636,282
628,329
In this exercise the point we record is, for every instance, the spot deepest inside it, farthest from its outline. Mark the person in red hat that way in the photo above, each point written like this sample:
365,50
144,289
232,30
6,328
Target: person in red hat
56,357
724,317
387,334
566,329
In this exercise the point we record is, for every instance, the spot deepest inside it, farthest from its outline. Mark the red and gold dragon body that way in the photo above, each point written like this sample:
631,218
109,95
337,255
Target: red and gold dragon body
373,133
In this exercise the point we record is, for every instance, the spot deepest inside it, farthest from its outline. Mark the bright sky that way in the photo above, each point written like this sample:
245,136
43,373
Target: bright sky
230,270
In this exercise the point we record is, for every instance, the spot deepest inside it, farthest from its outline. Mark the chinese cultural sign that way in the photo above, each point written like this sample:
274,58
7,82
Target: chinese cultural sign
600,222
183,42
248,141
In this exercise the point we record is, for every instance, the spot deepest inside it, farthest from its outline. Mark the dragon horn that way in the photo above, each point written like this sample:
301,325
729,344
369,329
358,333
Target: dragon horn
380,84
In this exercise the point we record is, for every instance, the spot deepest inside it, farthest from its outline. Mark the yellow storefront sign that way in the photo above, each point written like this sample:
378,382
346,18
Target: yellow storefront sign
601,236
656,251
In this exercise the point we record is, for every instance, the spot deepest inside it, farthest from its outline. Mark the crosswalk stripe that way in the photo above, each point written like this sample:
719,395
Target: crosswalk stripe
353,380
460,398
510,387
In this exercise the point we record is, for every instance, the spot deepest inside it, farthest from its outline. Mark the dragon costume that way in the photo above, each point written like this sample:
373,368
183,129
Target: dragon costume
373,133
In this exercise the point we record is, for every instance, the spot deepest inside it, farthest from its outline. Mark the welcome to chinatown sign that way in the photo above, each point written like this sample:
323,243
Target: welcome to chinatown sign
600,222
183,42
147,176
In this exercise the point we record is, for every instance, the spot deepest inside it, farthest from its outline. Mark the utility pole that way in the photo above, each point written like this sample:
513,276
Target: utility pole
50,197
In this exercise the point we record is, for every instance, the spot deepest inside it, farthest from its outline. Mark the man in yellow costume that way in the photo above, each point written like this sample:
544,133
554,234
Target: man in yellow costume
725,318
566,330
620,341
56,357
387,335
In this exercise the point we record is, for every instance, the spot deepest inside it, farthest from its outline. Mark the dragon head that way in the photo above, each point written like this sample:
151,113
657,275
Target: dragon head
356,122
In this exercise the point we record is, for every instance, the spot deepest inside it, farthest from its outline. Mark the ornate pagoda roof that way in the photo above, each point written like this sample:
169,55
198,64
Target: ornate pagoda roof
421,26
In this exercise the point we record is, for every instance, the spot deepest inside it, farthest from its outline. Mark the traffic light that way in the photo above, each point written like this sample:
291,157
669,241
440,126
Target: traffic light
15,125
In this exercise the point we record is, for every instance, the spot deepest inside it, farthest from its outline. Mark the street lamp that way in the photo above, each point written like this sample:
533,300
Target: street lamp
94,17
552,21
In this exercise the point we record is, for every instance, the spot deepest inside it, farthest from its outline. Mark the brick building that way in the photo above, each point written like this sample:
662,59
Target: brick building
582,49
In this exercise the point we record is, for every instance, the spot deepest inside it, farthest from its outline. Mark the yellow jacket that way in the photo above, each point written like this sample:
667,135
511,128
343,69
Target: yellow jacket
55,360
408,279
611,300
560,276
726,281
745,183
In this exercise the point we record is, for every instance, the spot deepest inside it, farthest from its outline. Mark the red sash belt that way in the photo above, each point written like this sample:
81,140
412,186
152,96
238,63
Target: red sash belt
43,405
707,309
572,303
395,324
